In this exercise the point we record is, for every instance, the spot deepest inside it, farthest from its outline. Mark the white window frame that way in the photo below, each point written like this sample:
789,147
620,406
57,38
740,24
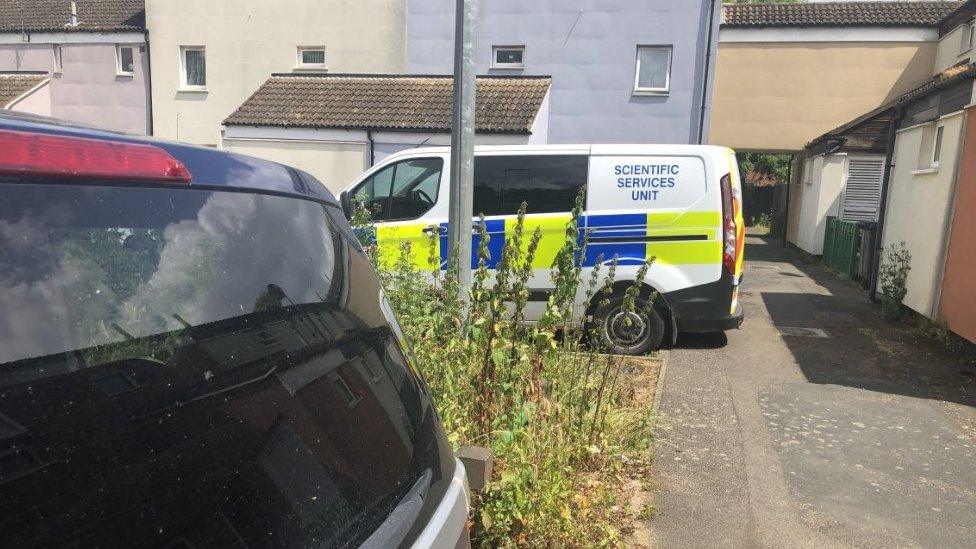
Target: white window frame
494,57
638,90
118,60
184,86
966,40
300,64
58,60
938,138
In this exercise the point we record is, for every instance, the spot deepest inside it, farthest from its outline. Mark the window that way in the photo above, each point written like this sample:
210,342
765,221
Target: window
405,190
653,73
508,57
311,57
546,183
58,67
125,60
937,146
808,172
930,148
371,369
345,391
193,65
966,43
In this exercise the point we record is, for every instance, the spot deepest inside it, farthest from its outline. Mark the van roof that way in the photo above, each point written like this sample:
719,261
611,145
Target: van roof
636,149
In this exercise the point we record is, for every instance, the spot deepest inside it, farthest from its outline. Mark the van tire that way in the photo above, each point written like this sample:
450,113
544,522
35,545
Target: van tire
617,338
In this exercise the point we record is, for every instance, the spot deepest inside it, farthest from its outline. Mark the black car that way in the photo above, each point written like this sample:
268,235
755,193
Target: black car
195,352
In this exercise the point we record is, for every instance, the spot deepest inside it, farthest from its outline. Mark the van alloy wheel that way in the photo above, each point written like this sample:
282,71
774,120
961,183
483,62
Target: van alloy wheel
629,332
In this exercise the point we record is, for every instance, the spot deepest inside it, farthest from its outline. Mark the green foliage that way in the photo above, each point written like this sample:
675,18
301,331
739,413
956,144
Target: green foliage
764,221
776,166
550,408
896,262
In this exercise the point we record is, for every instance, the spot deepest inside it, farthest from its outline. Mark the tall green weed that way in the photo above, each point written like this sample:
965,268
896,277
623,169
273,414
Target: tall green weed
547,403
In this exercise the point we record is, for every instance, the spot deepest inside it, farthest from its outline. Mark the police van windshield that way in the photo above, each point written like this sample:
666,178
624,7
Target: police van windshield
194,368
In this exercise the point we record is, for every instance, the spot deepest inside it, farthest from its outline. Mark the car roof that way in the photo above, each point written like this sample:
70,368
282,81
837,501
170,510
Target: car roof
208,166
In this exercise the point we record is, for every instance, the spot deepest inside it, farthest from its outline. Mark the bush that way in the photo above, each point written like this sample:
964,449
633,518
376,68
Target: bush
893,278
548,406
764,221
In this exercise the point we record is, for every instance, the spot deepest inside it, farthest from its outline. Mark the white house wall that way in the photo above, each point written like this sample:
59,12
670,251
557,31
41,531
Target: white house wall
820,199
950,50
336,157
246,41
917,210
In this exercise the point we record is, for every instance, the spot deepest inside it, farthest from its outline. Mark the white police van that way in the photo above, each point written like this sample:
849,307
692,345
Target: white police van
680,204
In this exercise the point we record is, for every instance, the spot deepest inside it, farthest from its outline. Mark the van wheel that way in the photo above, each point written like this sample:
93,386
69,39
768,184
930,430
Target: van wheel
621,332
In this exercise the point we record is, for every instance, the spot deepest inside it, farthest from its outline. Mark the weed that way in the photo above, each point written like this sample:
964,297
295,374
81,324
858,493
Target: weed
549,406
893,277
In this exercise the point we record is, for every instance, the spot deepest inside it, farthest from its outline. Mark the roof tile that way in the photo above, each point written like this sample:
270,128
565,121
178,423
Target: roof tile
838,14
13,85
53,15
389,102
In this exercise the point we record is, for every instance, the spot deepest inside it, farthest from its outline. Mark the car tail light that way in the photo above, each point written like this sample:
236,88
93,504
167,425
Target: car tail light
730,244
25,153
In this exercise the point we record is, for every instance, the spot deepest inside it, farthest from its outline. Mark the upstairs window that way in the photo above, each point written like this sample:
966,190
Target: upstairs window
125,60
508,57
58,66
653,73
193,67
311,57
966,43
937,146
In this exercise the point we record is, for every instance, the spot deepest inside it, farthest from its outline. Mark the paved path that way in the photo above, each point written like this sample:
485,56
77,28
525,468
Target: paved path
865,437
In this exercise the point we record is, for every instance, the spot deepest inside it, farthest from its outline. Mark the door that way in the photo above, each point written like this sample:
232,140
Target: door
403,200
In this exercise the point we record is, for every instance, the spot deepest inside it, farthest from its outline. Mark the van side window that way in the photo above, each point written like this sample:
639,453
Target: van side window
401,191
547,183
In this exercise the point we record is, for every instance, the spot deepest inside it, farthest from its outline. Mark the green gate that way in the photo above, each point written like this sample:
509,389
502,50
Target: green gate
842,245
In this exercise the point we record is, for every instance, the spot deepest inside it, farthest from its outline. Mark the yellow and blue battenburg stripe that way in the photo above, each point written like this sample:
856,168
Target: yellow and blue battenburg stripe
674,238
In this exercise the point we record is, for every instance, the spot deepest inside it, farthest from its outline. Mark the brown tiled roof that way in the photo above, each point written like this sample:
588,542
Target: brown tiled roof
504,104
53,15
13,85
838,14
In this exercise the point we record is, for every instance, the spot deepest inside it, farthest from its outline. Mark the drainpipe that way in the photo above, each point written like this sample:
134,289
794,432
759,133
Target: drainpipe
708,64
372,147
147,70
786,213
883,207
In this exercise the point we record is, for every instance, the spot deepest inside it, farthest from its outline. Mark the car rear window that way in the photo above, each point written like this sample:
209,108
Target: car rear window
196,368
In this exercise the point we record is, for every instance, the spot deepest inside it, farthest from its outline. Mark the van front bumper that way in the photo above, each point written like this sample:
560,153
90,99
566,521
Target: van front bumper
448,526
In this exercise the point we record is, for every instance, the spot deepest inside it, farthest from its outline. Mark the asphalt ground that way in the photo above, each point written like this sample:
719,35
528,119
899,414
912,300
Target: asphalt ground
816,424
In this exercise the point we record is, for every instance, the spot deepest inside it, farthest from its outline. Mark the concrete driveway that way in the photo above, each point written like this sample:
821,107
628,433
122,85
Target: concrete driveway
815,425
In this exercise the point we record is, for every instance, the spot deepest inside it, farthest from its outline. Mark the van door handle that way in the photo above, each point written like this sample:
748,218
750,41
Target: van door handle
434,229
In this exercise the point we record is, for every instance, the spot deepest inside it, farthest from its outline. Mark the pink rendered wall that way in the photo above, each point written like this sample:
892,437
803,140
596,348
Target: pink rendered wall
38,102
88,89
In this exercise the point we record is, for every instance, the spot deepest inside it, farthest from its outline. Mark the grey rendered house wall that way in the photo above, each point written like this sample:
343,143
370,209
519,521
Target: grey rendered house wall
589,48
